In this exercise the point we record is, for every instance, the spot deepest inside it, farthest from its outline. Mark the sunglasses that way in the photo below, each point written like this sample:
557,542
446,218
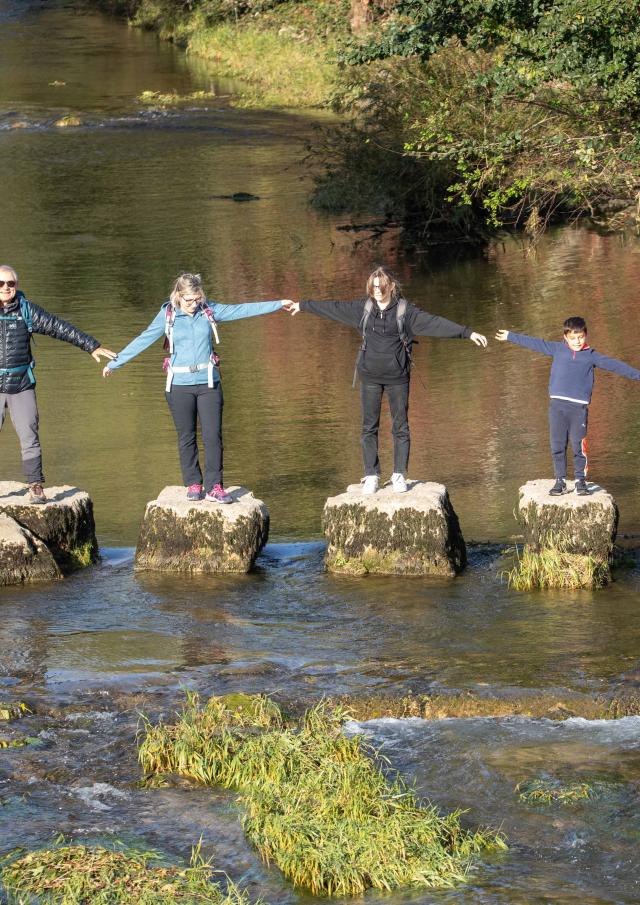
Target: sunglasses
10,284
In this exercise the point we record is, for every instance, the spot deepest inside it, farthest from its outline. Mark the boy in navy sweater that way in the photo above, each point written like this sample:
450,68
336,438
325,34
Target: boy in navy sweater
570,388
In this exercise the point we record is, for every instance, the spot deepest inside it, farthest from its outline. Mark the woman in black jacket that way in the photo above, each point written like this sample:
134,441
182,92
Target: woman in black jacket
19,318
388,324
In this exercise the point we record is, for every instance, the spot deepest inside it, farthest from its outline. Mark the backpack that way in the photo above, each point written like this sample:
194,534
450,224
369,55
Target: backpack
401,316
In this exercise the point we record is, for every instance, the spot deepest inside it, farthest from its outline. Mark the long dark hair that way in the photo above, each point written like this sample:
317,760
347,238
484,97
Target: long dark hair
388,283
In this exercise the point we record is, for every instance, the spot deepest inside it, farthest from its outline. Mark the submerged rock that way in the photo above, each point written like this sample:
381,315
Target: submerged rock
40,542
178,535
413,533
577,524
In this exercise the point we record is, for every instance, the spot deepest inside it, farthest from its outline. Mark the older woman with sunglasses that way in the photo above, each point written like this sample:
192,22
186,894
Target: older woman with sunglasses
19,318
193,389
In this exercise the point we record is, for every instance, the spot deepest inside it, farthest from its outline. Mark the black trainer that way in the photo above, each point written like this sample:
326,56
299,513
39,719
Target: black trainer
559,487
581,487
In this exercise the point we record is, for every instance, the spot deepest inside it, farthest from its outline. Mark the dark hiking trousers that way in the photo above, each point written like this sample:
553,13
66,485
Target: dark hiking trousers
568,423
189,404
371,399
23,410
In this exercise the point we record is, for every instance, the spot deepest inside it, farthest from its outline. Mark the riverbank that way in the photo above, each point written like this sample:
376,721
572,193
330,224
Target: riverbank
282,54
455,132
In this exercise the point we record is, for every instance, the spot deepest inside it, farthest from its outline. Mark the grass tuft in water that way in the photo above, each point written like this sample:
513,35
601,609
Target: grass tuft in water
157,99
317,803
79,874
549,791
554,567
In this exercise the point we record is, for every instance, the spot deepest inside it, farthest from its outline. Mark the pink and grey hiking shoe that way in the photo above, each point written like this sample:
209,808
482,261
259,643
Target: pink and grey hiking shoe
194,492
218,494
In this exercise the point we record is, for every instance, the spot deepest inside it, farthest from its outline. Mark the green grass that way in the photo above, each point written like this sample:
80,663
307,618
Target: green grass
554,567
157,99
80,874
547,791
317,804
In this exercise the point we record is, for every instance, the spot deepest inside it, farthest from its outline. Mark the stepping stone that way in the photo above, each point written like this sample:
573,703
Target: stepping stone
585,524
62,531
389,533
178,535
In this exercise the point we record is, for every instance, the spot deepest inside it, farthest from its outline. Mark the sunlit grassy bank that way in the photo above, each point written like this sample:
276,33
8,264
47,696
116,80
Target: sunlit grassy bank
80,874
281,53
317,803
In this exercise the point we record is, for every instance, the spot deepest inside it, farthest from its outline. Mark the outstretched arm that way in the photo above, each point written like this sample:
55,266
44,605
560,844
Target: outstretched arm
615,365
246,309
421,323
51,325
529,342
141,342
349,313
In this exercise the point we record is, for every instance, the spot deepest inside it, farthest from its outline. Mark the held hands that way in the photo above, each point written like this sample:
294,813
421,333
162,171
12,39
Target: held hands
502,336
101,352
479,340
291,307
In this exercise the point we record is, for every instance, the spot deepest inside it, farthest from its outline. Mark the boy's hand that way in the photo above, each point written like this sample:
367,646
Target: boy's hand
479,339
101,352
292,307
502,336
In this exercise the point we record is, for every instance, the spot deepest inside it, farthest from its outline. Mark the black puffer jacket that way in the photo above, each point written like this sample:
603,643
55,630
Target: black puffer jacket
15,345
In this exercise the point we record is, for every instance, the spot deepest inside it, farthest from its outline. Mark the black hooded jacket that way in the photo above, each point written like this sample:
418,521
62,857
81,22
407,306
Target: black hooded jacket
385,359
15,341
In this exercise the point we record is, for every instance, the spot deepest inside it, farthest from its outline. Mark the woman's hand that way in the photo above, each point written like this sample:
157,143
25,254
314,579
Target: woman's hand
502,336
107,371
291,307
101,352
479,340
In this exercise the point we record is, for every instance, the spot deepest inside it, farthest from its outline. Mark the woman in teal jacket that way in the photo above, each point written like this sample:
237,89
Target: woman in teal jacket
193,388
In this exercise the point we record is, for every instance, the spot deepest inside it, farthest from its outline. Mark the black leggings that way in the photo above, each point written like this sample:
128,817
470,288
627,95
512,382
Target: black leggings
188,404
371,399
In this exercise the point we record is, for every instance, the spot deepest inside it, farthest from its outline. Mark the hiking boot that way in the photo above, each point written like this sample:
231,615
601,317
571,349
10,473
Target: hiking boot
218,494
582,488
559,487
398,482
194,492
36,493
370,484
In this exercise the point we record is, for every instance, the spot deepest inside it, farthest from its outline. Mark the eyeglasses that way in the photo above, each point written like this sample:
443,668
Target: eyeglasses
10,284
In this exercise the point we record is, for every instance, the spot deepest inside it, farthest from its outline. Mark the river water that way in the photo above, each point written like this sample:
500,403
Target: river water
98,219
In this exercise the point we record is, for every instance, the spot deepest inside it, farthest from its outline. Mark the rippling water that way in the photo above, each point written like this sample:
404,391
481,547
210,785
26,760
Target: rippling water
98,219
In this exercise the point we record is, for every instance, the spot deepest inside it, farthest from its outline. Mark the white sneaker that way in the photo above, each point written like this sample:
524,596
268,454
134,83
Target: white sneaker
370,484
398,482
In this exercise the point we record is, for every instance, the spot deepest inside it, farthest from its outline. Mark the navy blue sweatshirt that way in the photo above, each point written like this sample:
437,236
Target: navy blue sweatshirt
385,359
572,372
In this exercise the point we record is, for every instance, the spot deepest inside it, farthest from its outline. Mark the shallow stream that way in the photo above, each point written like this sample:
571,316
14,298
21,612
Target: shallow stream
98,219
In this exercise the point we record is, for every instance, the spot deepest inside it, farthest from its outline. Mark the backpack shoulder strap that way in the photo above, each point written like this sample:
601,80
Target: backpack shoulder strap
366,314
25,311
401,316
208,310
169,318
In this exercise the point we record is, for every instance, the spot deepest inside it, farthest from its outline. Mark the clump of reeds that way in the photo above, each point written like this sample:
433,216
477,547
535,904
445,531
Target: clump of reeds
548,791
317,803
553,565
172,99
80,874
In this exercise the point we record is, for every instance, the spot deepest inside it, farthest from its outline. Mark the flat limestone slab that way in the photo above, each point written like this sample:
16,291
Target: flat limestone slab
64,527
182,536
389,533
583,524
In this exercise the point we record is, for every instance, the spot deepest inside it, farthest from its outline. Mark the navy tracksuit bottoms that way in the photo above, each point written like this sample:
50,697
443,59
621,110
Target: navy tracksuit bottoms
568,423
